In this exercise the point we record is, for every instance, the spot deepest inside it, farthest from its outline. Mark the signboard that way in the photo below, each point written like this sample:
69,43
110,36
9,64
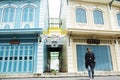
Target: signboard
14,42
93,41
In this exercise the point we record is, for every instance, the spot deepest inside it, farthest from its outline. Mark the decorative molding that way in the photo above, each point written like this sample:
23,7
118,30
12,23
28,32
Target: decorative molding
7,5
80,6
26,4
85,41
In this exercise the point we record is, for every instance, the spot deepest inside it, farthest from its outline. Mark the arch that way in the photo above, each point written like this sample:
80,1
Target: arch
7,5
26,4
27,26
80,6
7,26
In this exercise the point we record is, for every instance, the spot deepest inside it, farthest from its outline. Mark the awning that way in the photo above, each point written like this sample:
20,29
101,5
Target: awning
91,32
20,34
20,31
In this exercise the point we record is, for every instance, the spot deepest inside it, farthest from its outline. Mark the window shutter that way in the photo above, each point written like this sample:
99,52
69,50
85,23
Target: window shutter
81,15
118,19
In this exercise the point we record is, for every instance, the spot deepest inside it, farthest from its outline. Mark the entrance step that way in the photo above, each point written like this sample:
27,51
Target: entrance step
42,75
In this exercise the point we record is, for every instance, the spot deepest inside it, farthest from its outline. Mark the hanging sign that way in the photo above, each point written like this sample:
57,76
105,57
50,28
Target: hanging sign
14,42
93,41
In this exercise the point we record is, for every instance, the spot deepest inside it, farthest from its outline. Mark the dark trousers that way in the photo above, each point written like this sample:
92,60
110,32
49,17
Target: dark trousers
91,71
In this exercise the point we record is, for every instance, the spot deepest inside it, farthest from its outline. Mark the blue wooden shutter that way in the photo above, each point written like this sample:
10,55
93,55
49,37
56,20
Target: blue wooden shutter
102,54
25,14
5,15
118,19
11,15
80,15
98,17
8,14
28,13
31,13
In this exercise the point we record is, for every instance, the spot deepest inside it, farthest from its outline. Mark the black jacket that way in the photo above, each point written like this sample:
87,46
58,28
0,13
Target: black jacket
89,59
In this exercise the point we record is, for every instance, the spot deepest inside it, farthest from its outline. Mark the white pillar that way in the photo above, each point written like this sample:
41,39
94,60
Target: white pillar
40,57
42,13
69,56
112,19
117,51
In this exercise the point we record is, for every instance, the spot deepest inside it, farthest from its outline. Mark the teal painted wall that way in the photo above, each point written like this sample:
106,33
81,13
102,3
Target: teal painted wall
18,6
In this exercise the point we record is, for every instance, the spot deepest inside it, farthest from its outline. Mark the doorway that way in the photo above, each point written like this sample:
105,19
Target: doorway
54,59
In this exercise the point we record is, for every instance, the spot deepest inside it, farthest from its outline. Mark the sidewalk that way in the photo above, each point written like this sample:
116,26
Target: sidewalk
69,78
58,76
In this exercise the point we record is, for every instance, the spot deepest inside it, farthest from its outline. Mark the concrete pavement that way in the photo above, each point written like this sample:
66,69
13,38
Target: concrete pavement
69,78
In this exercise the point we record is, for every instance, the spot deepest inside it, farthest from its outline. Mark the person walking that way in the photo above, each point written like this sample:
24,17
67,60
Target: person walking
90,63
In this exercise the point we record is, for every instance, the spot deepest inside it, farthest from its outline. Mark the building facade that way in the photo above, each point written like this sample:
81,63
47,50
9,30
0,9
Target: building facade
32,43
21,45
94,24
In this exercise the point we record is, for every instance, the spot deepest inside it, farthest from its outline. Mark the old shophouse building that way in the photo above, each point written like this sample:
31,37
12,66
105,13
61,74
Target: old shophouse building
94,24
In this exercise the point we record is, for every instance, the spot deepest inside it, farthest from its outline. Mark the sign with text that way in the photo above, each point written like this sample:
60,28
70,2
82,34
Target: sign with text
93,41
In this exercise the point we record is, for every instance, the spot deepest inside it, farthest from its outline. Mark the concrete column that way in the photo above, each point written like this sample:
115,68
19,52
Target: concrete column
69,56
42,13
112,19
117,51
40,58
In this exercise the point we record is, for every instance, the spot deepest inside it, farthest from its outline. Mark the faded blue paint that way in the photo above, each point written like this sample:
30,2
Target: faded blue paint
18,18
16,58
33,30
102,54
8,14
0,14
45,57
35,57
27,36
19,12
37,18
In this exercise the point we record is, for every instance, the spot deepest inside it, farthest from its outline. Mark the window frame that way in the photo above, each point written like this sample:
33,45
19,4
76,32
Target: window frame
118,21
28,17
101,18
85,17
9,15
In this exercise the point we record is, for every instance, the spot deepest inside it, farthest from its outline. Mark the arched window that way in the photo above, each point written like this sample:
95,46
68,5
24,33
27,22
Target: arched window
98,17
81,15
28,13
8,14
118,19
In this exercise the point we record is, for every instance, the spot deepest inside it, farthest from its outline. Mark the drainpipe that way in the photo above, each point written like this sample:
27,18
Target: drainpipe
48,13
69,37
67,2
110,4
60,23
